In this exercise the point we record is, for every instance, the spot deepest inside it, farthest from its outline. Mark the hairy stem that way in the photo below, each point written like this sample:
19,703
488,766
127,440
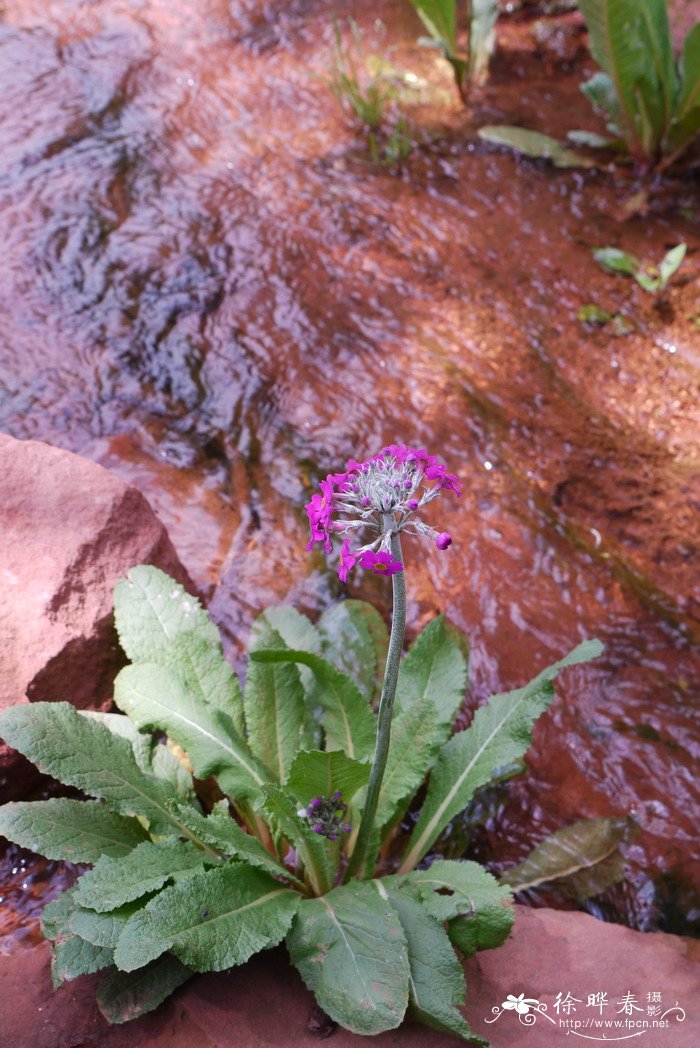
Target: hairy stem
386,705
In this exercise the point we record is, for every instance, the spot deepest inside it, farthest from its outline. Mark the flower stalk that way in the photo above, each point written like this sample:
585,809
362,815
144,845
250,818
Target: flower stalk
386,707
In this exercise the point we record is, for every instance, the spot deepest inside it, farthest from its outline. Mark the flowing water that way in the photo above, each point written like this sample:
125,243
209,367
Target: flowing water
207,287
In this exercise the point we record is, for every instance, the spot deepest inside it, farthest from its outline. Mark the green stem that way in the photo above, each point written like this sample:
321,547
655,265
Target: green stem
386,705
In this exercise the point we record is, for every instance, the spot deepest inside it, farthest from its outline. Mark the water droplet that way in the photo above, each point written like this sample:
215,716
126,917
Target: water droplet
488,465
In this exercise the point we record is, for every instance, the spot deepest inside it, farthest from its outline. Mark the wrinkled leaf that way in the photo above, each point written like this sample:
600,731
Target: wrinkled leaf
318,774
533,144
437,984
355,641
348,721
82,752
207,675
101,929
585,855
274,706
122,996
351,952
212,920
74,956
157,697
435,668
56,915
70,830
151,610
499,734
478,908
114,882
223,833
280,807
416,737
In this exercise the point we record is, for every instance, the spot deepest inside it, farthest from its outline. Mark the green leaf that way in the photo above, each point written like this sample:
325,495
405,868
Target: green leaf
437,984
440,19
613,260
73,957
55,917
351,951
123,996
479,908
295,629
533,144
482,38
210,921
101,929
151,610
416,737
593,314
356,641
274,706
318,774
207,675
686,119
600,92
592,139
434,668
156,697
671,262
586,855
499,734
224,834
279,806
651,282
658,87
81,752
616,41
70,830
348,720
114,882
153,758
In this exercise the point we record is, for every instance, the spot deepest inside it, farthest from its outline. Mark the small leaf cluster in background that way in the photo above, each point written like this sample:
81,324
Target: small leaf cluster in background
650,99
652,278
179,884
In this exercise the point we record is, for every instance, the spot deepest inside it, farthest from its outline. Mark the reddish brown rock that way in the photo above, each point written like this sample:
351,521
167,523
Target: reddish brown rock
68,531
265,1005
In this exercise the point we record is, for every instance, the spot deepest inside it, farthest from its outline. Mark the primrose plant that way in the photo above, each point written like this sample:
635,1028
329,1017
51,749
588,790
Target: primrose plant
296,834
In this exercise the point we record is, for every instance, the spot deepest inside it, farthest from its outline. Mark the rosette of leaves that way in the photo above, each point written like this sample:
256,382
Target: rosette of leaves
178,886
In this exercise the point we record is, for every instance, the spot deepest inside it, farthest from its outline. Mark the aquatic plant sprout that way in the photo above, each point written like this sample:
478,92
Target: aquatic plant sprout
383,495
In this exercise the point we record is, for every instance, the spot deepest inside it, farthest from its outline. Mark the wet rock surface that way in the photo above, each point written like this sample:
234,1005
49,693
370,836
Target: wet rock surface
265,1005
68,530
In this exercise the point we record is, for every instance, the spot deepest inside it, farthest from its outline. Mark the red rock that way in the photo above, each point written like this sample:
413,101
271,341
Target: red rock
68,531
265,1005
33,1016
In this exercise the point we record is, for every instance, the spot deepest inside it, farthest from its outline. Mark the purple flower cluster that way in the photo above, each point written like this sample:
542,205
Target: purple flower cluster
325,816
383,494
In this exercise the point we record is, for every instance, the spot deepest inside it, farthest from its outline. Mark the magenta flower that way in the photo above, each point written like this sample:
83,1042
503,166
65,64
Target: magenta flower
382,495
380,563
348,561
